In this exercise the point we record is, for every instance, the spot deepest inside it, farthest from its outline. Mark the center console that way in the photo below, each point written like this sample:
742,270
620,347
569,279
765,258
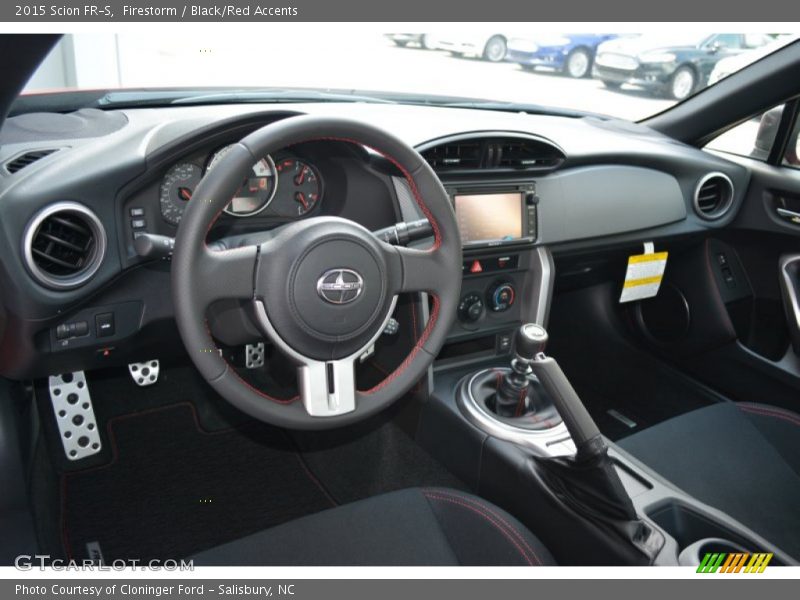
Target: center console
505,419
507,279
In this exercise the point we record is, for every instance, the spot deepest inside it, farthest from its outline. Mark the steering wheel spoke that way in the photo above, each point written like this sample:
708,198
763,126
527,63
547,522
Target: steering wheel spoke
422,270
328,389
226,274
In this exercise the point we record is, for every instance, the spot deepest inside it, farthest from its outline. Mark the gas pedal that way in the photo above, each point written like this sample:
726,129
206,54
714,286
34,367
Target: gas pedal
72,405
254,355
144,373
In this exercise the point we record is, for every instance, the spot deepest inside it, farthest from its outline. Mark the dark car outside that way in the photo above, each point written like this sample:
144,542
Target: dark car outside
571,54
676,65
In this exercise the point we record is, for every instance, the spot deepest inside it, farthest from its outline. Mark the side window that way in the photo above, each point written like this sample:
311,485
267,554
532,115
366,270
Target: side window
753,138
792,156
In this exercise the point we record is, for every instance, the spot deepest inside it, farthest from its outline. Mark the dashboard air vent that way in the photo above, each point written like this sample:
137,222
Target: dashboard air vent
27,159
454,156
64,245
713,196
506,154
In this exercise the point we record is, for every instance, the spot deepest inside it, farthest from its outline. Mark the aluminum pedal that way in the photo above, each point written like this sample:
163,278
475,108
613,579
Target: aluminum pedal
72,404
144,373
254,355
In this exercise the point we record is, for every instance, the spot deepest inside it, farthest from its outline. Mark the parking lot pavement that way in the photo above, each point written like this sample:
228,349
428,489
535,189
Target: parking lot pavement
366,61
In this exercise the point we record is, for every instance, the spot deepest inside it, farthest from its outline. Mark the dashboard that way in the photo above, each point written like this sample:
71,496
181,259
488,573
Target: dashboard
78,190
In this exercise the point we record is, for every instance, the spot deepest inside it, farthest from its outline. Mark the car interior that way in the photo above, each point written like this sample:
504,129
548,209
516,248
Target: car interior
401,340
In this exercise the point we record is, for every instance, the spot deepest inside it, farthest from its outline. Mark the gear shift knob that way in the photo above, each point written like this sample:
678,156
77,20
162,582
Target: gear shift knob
529,341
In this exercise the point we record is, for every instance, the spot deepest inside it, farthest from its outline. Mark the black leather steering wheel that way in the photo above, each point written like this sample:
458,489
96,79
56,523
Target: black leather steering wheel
323,288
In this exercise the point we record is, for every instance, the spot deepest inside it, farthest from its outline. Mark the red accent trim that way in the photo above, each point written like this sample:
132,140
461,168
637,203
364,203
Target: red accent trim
486,512
770,411
523,394
63,507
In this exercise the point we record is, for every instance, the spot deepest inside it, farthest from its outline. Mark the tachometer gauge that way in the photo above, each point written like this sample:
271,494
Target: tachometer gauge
177,189
257,190
300,186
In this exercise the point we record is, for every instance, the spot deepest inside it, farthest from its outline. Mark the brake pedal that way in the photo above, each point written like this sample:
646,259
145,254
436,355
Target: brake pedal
144,373
254,355
72,404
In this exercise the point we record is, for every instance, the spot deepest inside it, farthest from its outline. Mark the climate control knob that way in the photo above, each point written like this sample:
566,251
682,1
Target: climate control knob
471,308
501,297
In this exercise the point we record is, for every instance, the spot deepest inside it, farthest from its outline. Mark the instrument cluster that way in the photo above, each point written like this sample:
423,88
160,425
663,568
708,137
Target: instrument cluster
284,186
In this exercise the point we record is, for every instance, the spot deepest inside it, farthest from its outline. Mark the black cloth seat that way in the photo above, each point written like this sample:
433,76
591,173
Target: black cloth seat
741,458
417,526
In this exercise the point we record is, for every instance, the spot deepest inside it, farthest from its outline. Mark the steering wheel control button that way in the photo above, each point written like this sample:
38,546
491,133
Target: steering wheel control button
72,405
104,324
501,297
340,286
471,308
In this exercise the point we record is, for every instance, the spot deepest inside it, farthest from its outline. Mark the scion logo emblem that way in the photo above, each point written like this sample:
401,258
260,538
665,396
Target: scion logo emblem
340,286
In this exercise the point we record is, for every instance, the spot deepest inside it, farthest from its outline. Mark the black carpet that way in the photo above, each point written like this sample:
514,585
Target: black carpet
172,489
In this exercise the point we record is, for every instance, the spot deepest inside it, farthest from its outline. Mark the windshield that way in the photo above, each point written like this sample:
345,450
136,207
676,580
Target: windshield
623,75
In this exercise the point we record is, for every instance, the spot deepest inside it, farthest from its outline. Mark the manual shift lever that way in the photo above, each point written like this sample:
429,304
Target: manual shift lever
529,344
512,393
529,393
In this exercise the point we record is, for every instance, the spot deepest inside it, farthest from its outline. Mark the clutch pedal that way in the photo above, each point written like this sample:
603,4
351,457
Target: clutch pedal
144,373
72,404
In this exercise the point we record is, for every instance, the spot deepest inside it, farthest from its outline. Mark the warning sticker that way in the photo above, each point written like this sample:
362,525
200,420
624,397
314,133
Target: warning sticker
644,275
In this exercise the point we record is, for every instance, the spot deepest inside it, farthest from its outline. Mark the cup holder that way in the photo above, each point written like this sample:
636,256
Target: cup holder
693,554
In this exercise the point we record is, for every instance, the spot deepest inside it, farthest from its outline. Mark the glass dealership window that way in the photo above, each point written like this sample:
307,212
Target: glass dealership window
556,70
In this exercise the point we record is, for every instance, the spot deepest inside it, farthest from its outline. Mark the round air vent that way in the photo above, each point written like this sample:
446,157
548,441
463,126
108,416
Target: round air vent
64,245
713,196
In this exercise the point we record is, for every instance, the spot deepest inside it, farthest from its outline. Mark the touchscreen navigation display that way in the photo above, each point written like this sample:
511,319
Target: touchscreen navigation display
489,217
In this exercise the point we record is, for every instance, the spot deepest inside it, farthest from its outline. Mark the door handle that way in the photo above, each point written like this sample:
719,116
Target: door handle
789,215
789,277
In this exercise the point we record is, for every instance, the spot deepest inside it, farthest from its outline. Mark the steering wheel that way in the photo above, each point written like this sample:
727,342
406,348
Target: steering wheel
323,288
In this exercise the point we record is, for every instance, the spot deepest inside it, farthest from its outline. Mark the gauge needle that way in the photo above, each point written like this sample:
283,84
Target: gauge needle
185,193
301,177
301,198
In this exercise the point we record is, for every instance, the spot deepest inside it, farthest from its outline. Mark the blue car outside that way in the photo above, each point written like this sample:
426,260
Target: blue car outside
572,54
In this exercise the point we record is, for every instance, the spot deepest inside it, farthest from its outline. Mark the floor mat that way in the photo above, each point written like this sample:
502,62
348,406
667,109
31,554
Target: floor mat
378,459
173,489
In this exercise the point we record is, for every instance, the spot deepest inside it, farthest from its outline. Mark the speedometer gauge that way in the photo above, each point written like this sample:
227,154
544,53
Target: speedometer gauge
176,190
257,190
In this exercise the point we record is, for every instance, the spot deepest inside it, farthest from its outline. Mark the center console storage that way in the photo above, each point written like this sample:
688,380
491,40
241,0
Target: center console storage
696,534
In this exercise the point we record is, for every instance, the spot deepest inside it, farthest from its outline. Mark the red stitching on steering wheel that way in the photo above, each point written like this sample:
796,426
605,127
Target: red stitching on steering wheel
436,244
